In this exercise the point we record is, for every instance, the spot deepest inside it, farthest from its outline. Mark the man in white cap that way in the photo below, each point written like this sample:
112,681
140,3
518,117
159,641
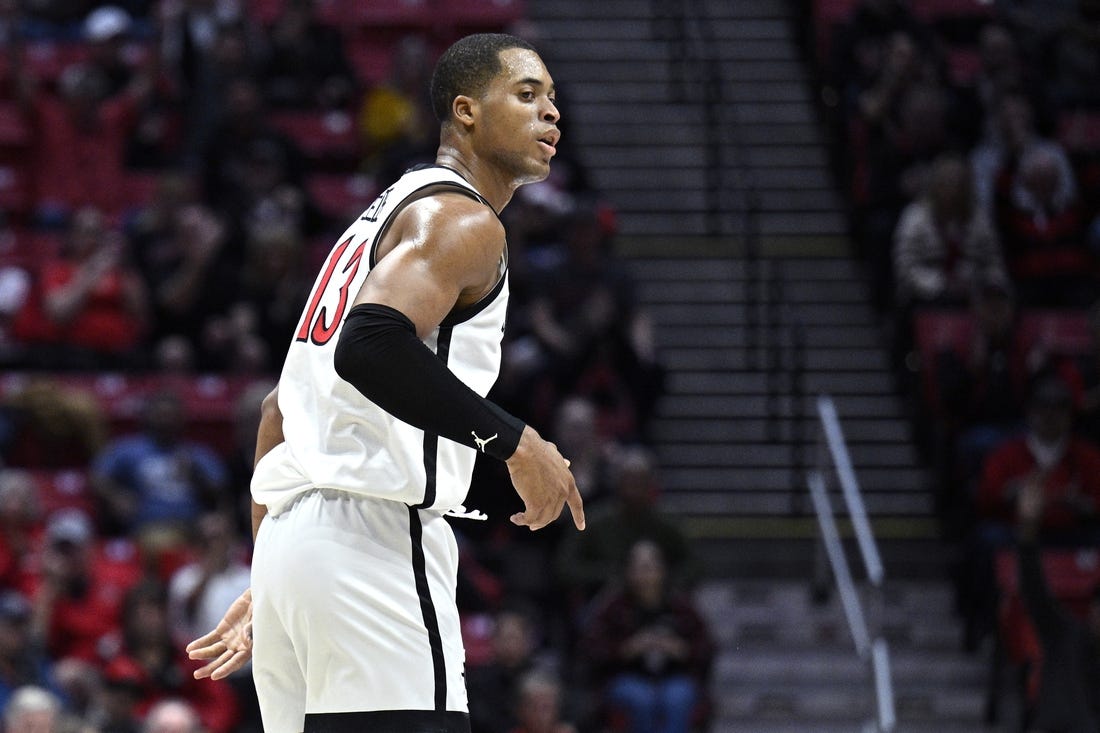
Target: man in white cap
106,29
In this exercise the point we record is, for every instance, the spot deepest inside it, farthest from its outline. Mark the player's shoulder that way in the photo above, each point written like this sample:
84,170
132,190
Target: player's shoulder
453,213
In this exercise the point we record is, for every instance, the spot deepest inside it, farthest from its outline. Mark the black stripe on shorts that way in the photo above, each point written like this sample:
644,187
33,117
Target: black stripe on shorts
427,609
389,721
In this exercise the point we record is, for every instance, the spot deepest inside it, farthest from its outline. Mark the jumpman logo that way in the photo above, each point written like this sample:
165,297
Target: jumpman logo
482,443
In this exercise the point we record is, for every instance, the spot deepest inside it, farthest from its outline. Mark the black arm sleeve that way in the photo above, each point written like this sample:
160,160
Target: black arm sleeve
381,356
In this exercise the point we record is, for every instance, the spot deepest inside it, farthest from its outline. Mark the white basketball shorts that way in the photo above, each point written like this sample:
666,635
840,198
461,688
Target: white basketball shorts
354,619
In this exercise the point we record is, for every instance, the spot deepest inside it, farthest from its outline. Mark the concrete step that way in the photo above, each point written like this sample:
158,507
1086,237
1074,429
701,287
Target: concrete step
818,359
573,11
659,69
735,269
901,456
755,383
645,223
865,431
732,314
683,478
823,292
755,502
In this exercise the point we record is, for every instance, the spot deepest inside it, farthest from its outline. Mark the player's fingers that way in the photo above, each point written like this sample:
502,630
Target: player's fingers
576,507
208,652
231,665
204,641
209,669
567,463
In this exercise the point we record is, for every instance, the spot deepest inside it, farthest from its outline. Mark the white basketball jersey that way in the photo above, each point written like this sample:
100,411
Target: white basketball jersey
334,436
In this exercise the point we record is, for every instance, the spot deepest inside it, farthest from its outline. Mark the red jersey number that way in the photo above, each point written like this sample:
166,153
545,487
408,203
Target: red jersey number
314,326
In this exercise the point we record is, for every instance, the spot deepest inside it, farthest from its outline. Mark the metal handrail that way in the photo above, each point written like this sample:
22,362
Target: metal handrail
870,647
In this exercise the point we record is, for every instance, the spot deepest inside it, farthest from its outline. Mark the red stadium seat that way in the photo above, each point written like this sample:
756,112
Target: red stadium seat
393,13
937,10
324,137
14,130
936,331
341,197
64,489
480,14
1061,333
1079,131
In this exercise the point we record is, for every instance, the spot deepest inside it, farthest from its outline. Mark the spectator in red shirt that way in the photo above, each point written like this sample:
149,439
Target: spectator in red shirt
92,306
1067,467
82,138
1043,226
20,528
81,587
144,648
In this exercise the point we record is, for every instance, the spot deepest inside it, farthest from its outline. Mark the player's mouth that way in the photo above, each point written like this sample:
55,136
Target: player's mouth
550,141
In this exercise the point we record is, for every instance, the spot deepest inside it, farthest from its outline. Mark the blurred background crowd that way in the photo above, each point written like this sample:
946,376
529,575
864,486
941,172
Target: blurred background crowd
172,176
967,140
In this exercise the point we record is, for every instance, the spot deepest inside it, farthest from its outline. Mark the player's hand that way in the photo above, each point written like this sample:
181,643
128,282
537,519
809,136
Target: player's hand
543,480
229,646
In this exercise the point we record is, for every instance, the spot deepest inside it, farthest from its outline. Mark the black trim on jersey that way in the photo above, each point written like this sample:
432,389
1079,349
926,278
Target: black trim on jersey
427,608
431,440
461,315
458,315
389,721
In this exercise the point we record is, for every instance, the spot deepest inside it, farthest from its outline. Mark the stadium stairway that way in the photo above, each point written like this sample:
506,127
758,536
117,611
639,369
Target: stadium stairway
670,101
697,178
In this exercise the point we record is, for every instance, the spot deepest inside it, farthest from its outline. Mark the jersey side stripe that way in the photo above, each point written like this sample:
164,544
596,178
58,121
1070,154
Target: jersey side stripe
427,609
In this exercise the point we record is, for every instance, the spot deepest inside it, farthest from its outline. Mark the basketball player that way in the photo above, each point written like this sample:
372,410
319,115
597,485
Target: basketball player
369,439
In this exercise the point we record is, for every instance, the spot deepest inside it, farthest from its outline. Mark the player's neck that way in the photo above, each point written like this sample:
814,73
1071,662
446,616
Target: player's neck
479,175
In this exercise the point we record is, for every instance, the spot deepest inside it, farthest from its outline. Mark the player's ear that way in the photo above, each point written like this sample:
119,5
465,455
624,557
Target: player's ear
464,110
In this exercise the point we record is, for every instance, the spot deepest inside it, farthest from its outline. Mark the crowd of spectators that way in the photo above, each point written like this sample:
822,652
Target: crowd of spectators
967,137
172,173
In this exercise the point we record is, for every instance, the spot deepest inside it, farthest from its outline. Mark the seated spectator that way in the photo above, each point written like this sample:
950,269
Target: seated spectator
180,247
1075,49
1066,468
585,560
305,65
945,246
81,585
1043,227
105,31
1011,132
1070,648
113,705
494,687
92,306
172,716
82,138
245,154
253,333
650,649
53,426
20,529
591,454
595,339
155,481
983,390
21,660
539,705
1004,71
860,44
33,710
145,646
396,122
1083,375
199,592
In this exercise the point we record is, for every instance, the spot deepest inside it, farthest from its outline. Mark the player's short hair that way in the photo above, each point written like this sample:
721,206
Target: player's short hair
467,67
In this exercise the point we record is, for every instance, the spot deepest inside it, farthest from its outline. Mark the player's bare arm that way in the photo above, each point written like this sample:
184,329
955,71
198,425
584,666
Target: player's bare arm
444,252
228,647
